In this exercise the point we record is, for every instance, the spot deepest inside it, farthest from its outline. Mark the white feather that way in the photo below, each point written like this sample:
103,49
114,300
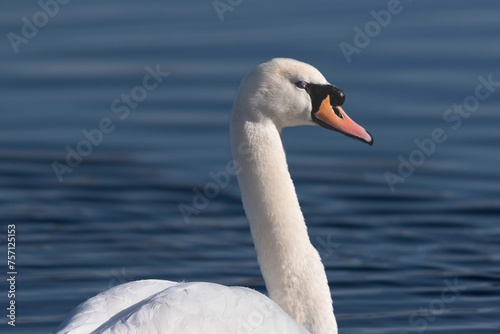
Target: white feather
267,101
155,306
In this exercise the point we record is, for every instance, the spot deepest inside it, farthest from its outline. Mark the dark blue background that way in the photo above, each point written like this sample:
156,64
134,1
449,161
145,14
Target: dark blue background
115,218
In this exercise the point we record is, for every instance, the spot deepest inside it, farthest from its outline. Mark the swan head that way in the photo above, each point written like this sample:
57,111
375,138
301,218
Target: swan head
290,93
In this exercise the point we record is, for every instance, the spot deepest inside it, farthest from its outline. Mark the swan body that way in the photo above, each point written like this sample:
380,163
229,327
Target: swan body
277,94
157,306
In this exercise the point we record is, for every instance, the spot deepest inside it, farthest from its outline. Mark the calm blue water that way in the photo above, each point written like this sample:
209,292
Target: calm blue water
115,217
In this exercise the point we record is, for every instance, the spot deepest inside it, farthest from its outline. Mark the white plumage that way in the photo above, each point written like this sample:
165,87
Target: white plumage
277,94
156,306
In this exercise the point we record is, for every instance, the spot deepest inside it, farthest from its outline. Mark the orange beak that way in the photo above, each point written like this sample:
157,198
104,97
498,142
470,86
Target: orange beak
335,118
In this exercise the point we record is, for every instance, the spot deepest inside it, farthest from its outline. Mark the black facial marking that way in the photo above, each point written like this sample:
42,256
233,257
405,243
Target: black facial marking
319,92
337,112
338,97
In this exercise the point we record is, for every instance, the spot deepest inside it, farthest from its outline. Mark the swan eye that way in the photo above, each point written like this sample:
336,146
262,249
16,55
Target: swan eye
301,84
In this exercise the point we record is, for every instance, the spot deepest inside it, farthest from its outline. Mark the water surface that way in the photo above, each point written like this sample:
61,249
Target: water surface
115,217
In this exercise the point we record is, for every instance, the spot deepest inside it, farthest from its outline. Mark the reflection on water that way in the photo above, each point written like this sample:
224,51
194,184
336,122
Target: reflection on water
115,218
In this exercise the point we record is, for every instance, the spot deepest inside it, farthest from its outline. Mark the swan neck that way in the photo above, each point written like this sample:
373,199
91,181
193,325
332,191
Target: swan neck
292,269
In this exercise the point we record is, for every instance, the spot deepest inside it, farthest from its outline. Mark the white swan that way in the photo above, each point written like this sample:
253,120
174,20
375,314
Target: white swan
277,94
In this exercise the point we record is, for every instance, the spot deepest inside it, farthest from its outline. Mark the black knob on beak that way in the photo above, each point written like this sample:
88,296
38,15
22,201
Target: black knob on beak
337,97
